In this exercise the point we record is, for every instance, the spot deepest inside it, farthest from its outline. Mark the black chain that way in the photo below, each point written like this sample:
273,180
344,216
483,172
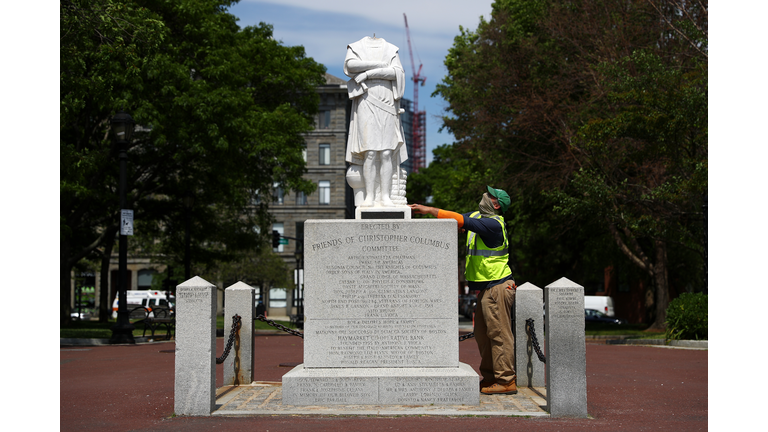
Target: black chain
280,326
235,327
466,336
532,335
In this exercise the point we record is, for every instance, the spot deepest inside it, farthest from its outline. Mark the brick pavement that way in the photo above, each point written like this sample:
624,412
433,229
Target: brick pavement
125,388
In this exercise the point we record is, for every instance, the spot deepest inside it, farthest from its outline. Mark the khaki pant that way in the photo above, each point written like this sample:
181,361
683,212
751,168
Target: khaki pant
493,333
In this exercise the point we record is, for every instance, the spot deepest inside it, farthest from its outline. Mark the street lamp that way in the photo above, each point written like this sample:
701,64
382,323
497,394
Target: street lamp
122,332
189,201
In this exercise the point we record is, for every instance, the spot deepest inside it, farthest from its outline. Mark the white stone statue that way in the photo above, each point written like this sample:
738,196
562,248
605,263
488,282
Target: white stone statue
375,133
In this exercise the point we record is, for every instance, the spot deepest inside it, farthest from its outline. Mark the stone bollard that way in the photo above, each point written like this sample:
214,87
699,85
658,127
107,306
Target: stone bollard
529,303
194,389
238,366
565,350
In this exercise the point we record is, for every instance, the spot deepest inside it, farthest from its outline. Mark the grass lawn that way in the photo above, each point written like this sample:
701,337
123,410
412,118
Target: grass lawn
96,330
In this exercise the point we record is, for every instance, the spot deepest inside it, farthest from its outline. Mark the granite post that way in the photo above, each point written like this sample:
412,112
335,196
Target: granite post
529,303
195,377
238,366
565,349
381,324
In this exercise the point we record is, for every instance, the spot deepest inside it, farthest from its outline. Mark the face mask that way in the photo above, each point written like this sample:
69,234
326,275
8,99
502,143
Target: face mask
486,206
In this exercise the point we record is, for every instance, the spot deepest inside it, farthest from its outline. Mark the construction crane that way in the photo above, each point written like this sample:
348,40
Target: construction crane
419,144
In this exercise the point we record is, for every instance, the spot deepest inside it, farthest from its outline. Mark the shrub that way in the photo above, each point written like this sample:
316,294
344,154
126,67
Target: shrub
687,317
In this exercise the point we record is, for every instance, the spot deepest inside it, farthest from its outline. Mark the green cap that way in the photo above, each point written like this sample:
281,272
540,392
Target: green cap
502,196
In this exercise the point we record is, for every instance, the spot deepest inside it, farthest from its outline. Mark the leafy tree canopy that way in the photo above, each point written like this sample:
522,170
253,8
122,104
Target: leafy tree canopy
220,112
592,114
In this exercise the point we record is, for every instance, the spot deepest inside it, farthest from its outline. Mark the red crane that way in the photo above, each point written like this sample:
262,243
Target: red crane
419,144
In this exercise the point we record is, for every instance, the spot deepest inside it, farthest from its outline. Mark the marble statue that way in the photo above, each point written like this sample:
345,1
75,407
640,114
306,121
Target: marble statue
375,133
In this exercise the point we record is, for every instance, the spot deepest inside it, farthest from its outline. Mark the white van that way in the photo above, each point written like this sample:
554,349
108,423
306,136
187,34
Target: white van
148,299
603,304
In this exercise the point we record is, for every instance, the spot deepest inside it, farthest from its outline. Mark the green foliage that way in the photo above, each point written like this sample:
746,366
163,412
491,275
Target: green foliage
688,317
593,116
221,112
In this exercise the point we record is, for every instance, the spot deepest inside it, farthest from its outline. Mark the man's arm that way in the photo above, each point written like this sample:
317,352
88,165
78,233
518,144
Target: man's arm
438,213
488,229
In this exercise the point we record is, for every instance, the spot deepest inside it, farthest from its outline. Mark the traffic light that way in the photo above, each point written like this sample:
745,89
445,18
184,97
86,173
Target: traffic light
275,239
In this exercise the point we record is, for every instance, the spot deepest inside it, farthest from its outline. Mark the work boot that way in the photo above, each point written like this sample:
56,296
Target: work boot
484,384
497,388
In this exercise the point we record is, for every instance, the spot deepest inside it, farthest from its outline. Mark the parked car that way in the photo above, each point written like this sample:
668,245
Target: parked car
603,304
592,316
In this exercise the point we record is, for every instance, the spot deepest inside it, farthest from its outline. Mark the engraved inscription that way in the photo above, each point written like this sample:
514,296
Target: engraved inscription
566,305
439,390
380,343
190,295
382,286
565,300
350,390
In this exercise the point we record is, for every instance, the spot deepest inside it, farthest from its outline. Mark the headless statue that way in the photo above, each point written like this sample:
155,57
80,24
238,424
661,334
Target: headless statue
375,133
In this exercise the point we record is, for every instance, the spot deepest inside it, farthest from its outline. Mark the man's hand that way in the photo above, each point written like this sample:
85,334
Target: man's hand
361,77
418,208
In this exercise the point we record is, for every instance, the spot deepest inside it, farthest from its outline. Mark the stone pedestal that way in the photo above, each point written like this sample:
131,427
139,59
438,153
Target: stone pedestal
566,350
194,388
529,303
238,366
380,316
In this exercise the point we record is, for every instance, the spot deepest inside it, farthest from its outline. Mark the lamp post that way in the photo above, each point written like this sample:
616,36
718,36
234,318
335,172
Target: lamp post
705,209
122,331
189,201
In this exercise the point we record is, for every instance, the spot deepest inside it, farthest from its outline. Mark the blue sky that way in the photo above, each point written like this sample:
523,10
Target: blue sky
324,28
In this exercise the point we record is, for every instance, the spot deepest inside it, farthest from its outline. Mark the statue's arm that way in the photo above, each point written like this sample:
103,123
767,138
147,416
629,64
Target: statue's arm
358,66
385,73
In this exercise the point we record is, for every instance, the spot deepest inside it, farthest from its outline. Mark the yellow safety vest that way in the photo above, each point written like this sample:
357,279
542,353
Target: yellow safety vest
484,263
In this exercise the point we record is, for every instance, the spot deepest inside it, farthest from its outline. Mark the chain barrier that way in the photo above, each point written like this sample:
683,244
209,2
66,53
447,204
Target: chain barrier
532,336
466,336
235,327
280,326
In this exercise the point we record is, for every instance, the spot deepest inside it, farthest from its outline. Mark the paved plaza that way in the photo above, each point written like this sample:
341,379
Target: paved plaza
127,388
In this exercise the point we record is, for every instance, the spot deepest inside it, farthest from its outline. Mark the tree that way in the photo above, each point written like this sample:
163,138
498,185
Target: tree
646,174
566,101
221,112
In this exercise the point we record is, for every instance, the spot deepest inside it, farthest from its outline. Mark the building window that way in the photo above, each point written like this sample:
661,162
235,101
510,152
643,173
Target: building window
324,119
277,194
301,198
325,154
255,198
145,279
324,189
277,297
278,226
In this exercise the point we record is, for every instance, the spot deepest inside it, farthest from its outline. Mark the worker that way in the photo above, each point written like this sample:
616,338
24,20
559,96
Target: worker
488,272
